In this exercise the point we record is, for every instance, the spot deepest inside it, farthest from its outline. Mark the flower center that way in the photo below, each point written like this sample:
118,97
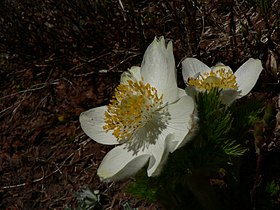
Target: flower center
218,77
133,105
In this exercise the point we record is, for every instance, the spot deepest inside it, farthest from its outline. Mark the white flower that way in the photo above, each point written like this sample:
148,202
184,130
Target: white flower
148,117
200,77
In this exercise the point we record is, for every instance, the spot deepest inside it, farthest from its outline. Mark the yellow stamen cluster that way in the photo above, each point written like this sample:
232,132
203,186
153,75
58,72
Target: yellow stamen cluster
130,108
219,78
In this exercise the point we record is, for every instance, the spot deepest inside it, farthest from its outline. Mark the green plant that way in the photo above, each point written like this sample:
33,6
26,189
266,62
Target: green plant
126,206
87,200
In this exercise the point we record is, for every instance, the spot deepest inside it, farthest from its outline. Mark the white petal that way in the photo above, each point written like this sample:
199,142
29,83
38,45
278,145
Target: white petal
181,92
171,142
158,69
192,67
92,122
219,64
120,163
217,67
228,96
247,75
132,74
159,154
151,140
191,91
181,121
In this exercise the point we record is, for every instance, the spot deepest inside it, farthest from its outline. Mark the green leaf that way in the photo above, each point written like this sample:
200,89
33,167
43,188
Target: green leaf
143,187
126,206
231,148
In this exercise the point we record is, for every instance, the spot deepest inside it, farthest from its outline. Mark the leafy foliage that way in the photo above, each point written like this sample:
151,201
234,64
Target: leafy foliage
87,200
143,187
231,148
273,189
245,115
126,206
213,149
216,124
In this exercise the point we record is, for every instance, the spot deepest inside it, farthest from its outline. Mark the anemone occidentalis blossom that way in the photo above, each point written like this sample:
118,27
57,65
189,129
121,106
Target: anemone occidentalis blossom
147,118
200,77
